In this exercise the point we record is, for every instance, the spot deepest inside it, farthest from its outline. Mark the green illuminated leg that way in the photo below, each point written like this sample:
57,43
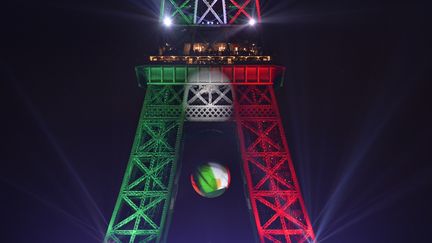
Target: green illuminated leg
181,10
143,203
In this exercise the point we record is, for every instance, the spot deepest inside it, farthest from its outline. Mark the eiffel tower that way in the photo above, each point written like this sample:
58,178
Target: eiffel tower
204,73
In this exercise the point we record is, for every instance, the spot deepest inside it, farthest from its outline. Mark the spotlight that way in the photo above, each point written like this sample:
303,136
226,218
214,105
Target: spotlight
252,22
167,21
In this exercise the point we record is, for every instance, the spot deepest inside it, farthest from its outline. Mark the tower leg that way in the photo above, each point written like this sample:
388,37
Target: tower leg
143,203
274,192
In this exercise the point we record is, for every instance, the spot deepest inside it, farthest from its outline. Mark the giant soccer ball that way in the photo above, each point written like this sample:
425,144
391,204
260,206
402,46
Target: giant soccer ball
210,180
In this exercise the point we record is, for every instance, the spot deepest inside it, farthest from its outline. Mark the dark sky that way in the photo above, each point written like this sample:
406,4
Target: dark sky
356,107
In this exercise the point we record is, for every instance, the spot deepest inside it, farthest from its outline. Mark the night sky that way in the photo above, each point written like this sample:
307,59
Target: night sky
356,106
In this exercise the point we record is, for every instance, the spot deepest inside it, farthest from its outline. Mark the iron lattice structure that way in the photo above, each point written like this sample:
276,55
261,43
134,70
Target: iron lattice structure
240,93
277,204
215,12
144,198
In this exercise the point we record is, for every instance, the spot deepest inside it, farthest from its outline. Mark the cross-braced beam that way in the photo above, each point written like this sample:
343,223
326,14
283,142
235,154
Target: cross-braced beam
249,9
180,11
143,202
208,102
215,17
277,204
220,12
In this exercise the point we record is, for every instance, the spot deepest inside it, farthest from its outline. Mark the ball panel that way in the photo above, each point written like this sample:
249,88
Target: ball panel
210,180
206,179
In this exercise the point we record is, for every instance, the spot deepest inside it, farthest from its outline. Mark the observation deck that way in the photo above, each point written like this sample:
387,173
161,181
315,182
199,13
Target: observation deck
211,53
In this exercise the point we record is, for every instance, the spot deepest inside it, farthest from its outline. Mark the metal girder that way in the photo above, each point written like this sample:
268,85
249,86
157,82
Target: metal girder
142,206
278,207
220,12
241,11
208,102
209,14
181,11
216,74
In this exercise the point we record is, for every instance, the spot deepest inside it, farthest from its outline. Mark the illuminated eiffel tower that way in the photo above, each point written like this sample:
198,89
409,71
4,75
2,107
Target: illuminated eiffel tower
217,80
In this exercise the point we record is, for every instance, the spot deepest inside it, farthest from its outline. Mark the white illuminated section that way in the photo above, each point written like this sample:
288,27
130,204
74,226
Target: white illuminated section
252,22
209,96
167,21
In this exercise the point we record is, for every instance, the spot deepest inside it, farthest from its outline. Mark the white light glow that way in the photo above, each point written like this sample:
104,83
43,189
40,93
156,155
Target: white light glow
252,22
167,21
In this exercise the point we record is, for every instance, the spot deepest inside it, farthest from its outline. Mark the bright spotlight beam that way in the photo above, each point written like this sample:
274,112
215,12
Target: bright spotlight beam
167,21
252,22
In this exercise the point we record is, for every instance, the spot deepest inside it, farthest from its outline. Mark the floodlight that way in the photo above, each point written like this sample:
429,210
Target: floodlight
167,21
252,22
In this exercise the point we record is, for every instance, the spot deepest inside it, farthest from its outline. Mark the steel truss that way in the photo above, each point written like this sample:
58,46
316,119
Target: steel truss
181,11
142,206
277,204
218,93
209,102
241,11
218,12
210,14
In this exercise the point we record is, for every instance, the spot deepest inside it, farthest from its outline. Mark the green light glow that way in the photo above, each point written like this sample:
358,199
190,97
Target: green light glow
142,207
182,11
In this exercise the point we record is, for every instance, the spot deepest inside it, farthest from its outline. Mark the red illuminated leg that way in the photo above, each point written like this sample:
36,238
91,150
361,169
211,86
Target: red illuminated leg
276,201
